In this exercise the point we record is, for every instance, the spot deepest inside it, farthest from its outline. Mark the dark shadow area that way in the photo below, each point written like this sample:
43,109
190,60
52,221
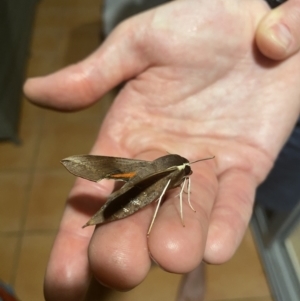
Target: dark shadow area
87,204
96,291
82,42
16,20
263,60
131,9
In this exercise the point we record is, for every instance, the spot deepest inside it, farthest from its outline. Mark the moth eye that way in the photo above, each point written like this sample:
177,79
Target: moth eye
187,170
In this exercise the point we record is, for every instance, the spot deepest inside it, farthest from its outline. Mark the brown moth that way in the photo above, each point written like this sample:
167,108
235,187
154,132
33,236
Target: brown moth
145,182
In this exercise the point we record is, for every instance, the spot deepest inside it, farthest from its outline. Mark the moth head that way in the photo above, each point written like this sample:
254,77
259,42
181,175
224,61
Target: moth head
187,166
187,169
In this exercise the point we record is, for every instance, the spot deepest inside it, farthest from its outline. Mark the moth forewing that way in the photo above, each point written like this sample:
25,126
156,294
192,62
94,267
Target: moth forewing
130,198
96,168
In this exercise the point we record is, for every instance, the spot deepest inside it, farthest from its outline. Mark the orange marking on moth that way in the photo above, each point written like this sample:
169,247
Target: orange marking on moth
124,175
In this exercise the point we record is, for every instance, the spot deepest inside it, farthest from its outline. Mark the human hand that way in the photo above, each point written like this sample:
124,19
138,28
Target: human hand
196,86
277,35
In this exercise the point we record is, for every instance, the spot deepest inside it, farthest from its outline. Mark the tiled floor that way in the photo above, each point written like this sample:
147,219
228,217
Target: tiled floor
34,185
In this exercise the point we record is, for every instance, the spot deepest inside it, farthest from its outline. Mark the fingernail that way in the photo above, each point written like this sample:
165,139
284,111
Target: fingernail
282,35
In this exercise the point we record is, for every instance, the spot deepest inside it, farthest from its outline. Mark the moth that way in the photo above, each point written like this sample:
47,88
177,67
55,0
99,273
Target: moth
145,182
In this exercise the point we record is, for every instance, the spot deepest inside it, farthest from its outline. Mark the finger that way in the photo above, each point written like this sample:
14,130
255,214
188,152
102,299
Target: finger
230,216
277,35
68,273
118,252
179,249
79,85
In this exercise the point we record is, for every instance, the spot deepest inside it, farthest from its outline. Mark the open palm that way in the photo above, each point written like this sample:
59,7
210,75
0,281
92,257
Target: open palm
196,86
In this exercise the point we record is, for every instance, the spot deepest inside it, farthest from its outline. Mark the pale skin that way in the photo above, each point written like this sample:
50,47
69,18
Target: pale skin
196,86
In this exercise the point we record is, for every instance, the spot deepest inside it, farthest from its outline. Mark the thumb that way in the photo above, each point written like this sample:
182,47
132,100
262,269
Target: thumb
80,85
277,36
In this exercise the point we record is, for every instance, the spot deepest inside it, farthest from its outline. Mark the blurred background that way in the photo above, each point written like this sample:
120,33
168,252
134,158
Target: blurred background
33,183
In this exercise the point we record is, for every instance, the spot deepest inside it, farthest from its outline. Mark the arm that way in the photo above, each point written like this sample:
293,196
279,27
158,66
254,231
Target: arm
195,85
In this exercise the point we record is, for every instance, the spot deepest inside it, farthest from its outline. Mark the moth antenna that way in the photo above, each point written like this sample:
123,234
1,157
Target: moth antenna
157,206
209,158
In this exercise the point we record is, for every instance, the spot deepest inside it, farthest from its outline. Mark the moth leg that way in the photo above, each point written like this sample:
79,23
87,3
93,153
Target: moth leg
181,186
189,194
180,202
157,206
188,180
186,192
